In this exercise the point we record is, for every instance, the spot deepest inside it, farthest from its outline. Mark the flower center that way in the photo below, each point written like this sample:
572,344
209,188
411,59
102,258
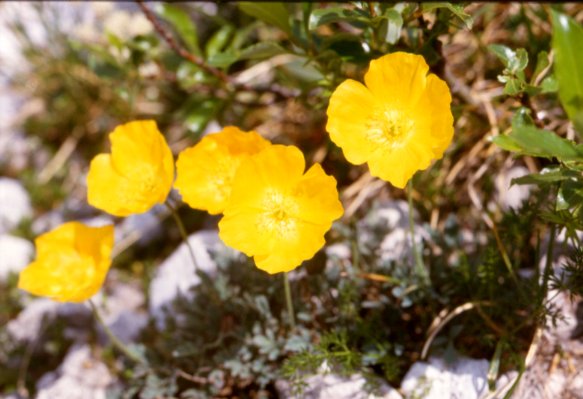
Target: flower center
277,215
389,127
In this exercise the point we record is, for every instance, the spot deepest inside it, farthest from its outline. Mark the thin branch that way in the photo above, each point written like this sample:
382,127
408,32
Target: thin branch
280,92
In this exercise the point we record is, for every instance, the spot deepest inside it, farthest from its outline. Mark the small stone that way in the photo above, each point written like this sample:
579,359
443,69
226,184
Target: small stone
80,376
16,254
326,385
177,274
14,204
465,378
511,196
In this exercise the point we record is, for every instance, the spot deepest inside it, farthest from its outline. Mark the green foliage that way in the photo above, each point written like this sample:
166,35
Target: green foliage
568,48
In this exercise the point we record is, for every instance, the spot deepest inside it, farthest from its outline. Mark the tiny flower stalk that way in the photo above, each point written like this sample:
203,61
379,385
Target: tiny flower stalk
114,339
288,299
422,272
182,231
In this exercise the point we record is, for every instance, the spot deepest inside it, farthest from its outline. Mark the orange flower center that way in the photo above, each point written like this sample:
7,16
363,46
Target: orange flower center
390,127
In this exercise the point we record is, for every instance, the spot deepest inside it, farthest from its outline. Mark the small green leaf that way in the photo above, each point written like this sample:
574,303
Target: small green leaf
223,60
570,195
495,365
271,13
394,25
542,61
261,50
568,47
549,84
529,140
515,61
181,21
546,176
219,40
456,9
323,16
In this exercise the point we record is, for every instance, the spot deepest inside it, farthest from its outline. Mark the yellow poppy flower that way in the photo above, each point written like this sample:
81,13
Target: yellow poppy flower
136,176
204,172
398,123
276,213
71,262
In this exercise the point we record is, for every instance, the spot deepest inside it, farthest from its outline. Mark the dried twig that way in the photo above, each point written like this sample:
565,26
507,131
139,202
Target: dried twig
280,92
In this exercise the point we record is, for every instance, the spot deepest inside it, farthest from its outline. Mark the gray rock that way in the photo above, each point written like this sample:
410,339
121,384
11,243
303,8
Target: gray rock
16,254
507,196
80,376
391,218
121,312
463,379
177,274
327,385
14,204
146,226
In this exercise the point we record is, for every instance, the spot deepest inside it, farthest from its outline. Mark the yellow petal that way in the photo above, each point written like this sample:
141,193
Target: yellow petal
348,120
277,214
109,191
397,78
439,105
137,175
288,254
72,262
205,171
317,197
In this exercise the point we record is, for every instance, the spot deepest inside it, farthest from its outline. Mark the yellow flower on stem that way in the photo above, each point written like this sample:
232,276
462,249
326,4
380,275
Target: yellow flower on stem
136,176
205,172
277,213
398,123
71,262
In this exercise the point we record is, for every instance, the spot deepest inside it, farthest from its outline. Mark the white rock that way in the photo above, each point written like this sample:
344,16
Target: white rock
146,226
27,325
392,217
463,379
16,253
177,274
327,385
511,197
80,376
121,312
14,204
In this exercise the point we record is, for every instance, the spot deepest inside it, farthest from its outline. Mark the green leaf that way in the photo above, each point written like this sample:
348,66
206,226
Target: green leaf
261,50
271,13
456,9
549,84
394,25
570,195
219,40
513,60
529,140
181,21
323,16
568,47
542,61
546,176
223,60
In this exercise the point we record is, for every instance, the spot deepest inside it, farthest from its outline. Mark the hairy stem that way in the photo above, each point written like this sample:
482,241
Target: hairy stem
288,299
115,340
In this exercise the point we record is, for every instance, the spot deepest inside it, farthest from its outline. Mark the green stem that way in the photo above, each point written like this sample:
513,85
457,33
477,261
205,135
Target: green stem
288,299
421,271
549,262
115,340
182,231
